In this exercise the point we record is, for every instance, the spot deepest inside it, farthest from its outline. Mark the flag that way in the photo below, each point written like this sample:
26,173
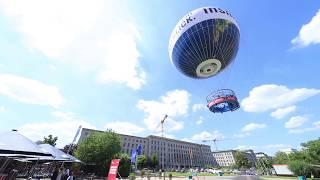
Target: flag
133,155
139,150
190,153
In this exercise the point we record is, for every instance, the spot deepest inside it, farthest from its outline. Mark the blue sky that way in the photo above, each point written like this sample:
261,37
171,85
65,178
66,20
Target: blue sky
106,65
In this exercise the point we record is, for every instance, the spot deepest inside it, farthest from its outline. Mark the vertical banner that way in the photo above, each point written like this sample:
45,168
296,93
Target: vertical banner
113,171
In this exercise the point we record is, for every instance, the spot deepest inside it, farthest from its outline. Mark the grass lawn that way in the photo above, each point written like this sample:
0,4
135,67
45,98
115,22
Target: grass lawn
189,174
276,177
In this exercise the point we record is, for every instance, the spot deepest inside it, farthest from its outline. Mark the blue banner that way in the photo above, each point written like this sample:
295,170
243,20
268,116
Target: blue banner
133,155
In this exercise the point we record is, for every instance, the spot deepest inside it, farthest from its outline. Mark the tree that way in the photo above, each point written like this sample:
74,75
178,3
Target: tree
312,151
299,168
97,150
49,140
71,148
142,161
241,160
154,161
125,163
281,158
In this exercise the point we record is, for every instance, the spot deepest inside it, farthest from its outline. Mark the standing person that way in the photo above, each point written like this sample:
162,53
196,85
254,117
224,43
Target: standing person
55,173
59,177
70,177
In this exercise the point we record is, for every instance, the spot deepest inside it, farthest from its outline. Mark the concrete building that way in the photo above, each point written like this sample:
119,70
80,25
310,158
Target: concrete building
170,152
227,157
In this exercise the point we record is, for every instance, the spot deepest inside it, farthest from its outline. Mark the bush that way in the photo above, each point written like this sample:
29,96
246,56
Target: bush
170,176
142,173
124,165
132,176
148,175
299,168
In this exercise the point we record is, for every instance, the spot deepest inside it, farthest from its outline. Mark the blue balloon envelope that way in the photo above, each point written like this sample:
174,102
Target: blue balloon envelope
204,42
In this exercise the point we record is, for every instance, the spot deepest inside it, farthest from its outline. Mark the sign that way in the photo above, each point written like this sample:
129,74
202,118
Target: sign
113,171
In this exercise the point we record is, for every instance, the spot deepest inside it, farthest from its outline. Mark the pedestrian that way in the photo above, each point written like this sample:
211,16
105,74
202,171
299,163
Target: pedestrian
55,173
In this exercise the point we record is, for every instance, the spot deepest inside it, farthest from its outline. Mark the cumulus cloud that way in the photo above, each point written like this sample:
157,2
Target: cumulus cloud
245,147
186,139
282,112
124,127
89,36
2,108
270,96
30,91
309,33
205,135
277,146
253,126
175,104
64,126
315,127
198,107
199,121
295,122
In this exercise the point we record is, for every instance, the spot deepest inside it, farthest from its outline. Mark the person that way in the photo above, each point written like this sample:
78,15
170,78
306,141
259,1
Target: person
55,173
59,177
70,177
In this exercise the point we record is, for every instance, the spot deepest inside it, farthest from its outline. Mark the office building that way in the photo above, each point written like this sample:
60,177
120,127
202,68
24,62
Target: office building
171,153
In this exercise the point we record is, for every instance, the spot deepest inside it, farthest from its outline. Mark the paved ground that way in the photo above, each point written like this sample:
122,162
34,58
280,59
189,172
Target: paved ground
208,178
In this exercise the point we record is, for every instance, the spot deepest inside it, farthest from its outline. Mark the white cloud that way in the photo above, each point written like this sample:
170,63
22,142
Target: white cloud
64,126
30,91
242,135
198,107
282,112
205,135
2,109
89,36
295,122
52,67
315,127
175,104
277,146
309,33
186,139
199,121
124,127
269,96
245,147
253,126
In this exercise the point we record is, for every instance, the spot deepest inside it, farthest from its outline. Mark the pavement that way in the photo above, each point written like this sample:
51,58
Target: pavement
207,178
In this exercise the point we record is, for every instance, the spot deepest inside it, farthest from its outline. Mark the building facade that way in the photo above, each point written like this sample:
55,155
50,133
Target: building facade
171,153
227,157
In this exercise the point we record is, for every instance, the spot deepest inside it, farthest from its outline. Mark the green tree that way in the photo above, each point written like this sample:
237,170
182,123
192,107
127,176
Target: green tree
49,140
97,151
312,151
281,158
241,161
299,168
125,163
142,161
154,161
71,148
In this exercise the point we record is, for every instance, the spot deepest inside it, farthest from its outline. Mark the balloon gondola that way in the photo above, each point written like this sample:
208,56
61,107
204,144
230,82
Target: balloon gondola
222,100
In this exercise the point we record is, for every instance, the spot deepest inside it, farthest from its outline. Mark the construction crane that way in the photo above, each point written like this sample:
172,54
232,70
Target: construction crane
214,142
162,122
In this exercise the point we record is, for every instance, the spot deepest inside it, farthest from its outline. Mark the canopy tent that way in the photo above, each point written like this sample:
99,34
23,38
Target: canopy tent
58,154
13,143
